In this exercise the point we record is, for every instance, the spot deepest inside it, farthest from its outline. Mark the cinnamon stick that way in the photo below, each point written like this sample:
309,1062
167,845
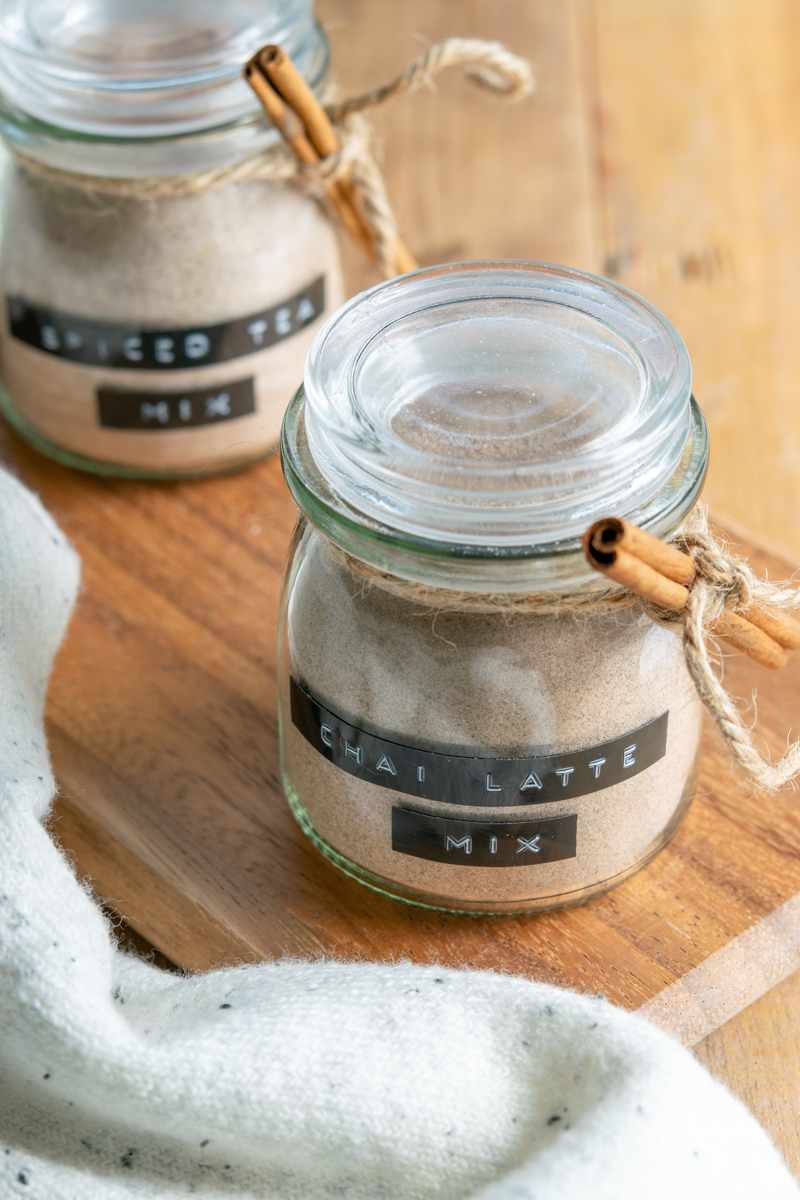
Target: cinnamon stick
615,534
286,120
293,88
662,574
290,84
281,116
735,628
626,569
287,82
778,625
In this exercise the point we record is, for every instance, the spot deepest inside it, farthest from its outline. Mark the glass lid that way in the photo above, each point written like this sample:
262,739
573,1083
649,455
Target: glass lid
497,404
144,68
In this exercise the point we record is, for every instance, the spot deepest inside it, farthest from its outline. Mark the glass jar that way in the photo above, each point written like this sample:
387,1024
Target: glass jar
468,720
159,297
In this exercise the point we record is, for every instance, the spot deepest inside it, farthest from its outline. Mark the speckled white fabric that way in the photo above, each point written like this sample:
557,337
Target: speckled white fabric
298,1080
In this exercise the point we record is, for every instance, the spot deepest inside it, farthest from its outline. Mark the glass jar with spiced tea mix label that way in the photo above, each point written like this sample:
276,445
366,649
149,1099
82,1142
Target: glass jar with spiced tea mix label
468,719
160,284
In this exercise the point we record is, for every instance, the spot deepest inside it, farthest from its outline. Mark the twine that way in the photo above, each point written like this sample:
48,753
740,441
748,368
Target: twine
724,581
488,64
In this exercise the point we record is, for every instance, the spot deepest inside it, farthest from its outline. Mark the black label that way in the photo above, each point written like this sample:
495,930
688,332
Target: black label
485,782
119,409
483,843
140,348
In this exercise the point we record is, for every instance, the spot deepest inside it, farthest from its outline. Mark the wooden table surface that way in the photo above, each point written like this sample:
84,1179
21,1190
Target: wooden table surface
661,148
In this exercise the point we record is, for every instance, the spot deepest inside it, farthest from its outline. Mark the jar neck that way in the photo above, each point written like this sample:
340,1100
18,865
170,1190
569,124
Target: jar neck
150,127
555,566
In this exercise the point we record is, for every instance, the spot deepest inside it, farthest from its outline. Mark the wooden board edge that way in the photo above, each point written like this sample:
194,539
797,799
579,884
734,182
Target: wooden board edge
731,979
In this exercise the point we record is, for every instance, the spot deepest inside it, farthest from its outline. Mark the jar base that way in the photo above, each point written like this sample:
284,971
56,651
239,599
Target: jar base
69,458
484,908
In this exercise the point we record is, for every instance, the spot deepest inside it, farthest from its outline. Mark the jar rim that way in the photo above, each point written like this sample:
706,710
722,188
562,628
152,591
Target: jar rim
558,565
115,119
498,403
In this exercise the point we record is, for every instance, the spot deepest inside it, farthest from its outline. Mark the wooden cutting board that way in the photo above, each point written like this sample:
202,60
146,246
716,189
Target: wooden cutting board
162,727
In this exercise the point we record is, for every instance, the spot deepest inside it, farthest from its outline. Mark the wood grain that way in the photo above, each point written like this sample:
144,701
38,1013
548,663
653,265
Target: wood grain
757,1055
171,887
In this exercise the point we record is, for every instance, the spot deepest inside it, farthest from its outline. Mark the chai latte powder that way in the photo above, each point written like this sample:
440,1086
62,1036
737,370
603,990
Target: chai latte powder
485,684
175,262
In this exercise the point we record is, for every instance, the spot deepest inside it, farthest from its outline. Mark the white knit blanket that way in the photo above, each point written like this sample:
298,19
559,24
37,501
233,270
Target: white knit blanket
303,1080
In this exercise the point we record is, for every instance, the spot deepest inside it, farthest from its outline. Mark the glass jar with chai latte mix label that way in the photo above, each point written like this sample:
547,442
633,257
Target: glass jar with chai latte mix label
466,722
160,284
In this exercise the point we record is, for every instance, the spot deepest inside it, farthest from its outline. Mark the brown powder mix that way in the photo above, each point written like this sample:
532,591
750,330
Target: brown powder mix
484,684
175,262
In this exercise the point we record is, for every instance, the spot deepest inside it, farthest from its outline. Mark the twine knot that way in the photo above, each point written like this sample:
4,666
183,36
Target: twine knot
724,581
727,581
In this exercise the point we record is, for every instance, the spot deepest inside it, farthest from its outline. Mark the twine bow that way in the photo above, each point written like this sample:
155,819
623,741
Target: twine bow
725,588
726,582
